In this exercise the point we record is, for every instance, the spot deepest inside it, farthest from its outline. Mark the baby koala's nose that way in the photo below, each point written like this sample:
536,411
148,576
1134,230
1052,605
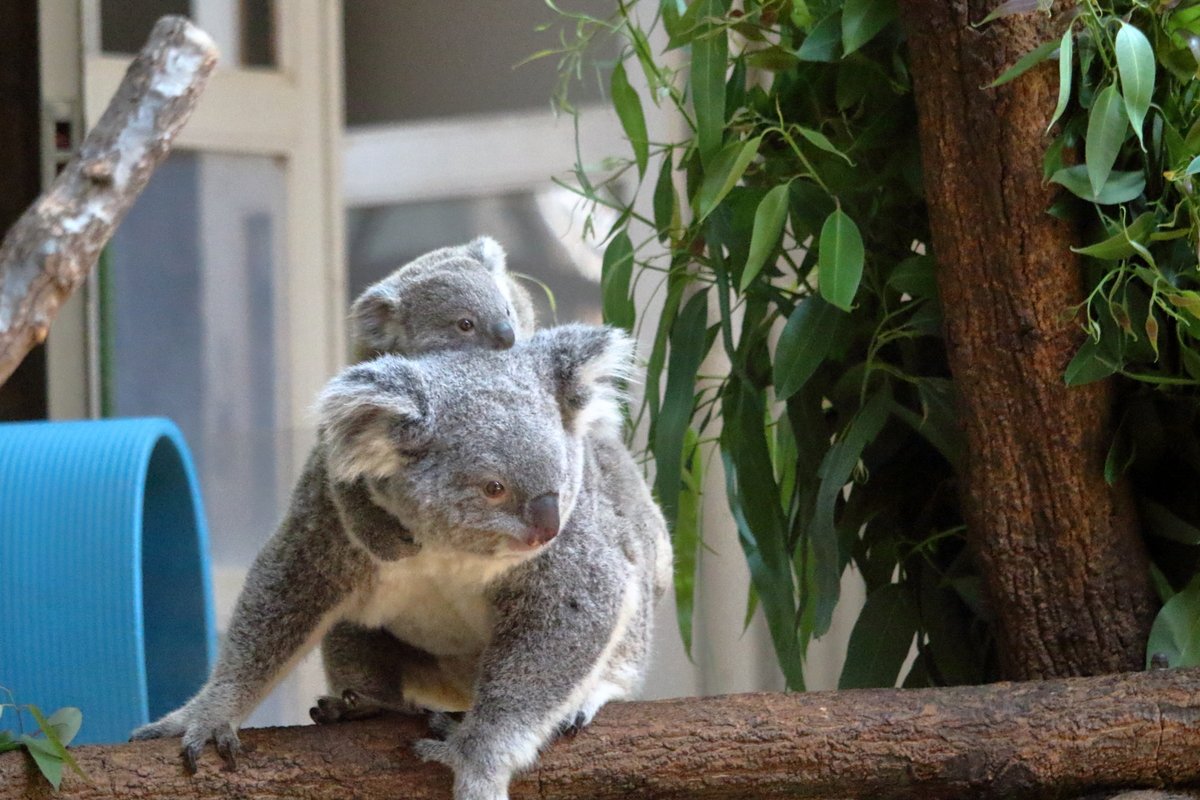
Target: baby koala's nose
541,515
502,335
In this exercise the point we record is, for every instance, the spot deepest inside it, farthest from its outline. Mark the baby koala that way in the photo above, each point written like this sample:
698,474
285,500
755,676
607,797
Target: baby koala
448,299
531,557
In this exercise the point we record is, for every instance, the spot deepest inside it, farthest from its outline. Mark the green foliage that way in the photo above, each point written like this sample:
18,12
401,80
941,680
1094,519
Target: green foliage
1128,99
789,233
49,750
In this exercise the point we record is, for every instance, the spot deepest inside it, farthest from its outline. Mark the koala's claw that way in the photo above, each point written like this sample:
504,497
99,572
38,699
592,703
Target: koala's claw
223,736
573,725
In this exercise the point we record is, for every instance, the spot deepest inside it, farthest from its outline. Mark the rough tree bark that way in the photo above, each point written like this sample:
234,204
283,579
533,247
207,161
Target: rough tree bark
48,253
1062,560
1059,738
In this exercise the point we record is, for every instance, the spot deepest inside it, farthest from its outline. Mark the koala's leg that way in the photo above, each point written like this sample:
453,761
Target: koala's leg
291,597
554,635
365,668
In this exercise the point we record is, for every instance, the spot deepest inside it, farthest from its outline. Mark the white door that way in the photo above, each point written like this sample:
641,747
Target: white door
219,302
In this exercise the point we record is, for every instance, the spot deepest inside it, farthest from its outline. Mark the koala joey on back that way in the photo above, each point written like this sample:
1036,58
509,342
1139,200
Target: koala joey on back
449,299
538,553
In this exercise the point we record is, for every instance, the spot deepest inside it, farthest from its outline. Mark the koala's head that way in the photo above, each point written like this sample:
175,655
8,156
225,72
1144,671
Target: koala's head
475,450
455,298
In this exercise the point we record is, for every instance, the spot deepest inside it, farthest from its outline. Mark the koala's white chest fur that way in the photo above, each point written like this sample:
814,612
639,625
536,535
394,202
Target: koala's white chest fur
435,600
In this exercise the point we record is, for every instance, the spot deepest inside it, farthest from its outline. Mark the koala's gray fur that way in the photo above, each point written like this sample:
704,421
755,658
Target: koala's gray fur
421,307
528,638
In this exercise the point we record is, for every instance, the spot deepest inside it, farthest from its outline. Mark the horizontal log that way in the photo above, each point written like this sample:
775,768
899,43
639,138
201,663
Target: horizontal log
50,250
1073,737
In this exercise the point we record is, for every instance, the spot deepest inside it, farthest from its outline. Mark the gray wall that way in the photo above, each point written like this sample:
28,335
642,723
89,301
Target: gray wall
418,59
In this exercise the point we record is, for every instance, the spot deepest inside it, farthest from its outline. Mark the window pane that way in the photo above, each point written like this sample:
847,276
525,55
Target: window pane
534,227
244,30
192,296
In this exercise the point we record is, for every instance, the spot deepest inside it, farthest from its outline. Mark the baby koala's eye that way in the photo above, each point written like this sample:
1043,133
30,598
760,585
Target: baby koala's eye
466,325
494,489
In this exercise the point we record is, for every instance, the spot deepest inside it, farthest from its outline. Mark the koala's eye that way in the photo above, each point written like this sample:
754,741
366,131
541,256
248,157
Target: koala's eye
466,325
494,489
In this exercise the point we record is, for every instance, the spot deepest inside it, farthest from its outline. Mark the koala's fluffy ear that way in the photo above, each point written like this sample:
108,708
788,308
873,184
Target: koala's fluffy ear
487,251
589,366
371,416
371,314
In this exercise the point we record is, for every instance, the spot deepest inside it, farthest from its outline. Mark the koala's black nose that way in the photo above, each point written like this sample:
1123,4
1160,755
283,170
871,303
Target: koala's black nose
503,335
542,517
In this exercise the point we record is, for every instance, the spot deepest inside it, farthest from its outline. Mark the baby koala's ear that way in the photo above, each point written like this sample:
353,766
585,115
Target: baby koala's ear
487,251
372,417
588,367
371,316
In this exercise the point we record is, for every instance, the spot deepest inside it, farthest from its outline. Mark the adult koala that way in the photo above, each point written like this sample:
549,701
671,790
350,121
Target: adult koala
530,551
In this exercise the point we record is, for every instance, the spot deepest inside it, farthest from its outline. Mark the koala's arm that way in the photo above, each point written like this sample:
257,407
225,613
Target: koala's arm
291,597
556,618
374,528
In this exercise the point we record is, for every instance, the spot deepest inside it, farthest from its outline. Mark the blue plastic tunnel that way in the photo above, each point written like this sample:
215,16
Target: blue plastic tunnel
105,593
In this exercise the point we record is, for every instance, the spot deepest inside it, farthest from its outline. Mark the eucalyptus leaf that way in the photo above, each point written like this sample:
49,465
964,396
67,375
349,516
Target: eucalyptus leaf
1120,187
824,41
726,170
666,202
688,346
1106,132
1089,364
1176,630
1119,244
1193,166
685,536
629,110
768,227
1009,8
1065,57
862,20
710,54
1162,522
1025,63
840,264
48,762
616,276
821,141
804,344
1135,65
835,471
881,639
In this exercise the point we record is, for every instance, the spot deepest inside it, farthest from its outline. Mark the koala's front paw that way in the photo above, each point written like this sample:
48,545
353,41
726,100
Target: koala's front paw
195,735
574,724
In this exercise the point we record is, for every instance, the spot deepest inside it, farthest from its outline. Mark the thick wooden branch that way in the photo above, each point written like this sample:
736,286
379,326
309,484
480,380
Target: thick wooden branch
48,253
1062,738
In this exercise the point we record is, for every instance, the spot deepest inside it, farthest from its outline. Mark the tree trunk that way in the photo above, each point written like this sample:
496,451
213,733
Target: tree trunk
1063,564
51,249
1063,737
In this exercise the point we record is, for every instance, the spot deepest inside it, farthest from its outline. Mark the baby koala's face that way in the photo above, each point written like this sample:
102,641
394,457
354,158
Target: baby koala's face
456,298
455,310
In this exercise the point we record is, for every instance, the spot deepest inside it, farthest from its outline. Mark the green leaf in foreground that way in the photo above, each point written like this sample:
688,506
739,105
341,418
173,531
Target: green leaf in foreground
727,169
881,639
1025,63
1135,65
1065,56
1121,187
768,226
803,344
1106,130
616,276
824,41
840,260
629,110
710,55
1176,630
822,142
862,19
1120,244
